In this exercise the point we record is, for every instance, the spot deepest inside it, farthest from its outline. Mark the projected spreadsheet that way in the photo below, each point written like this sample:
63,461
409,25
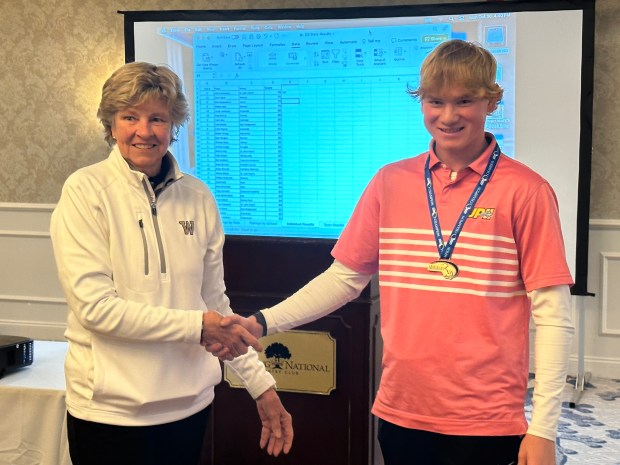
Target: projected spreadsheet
291,154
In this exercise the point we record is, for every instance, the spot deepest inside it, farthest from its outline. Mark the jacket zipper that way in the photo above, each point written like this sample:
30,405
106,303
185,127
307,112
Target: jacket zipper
160,246
145,246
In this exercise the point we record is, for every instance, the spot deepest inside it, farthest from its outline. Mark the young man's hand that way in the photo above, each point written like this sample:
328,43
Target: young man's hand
248,323
227,341
535,450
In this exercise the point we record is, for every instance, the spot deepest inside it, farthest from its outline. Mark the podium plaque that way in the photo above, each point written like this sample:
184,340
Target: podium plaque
299,361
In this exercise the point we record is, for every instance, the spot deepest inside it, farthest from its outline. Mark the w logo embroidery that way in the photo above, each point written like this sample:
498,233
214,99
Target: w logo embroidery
188,227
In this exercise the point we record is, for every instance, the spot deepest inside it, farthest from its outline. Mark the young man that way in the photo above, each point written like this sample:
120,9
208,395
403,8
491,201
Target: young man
455,303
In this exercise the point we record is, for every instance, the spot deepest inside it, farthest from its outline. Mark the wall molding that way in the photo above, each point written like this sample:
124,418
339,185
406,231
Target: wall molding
608,259
37,234
42,331
605,367
601,225
27,207
25,220
33,299
33,324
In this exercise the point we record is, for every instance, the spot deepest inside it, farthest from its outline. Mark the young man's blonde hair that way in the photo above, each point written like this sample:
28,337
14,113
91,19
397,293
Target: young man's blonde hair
459,63
136,83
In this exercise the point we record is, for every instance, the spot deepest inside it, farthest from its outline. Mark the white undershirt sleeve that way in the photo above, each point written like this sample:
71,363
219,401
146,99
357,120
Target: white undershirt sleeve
552,343
327,292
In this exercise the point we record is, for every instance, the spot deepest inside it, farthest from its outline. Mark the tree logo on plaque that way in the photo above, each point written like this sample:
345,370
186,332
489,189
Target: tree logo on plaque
278,352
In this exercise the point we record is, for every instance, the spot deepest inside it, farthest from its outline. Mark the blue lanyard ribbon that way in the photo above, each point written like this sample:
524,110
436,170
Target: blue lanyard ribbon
446,248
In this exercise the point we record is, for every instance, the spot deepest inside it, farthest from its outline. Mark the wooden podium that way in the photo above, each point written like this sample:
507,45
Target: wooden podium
330,429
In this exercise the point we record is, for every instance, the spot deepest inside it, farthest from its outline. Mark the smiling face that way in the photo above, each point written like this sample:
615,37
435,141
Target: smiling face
455,118
143,133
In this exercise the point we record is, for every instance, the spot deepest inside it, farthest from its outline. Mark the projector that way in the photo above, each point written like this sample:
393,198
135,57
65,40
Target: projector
15,352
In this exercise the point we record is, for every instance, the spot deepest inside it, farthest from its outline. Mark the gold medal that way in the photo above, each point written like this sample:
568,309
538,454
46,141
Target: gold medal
444,266
447,269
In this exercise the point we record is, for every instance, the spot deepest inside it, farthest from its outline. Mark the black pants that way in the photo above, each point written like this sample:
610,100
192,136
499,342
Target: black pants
402,446
177,443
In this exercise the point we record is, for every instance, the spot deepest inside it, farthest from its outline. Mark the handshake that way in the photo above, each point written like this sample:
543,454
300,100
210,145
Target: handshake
228,337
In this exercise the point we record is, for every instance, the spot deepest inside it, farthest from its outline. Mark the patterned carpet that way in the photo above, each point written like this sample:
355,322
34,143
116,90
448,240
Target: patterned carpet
589,432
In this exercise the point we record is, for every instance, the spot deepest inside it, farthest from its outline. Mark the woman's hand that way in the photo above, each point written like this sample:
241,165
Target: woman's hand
227,342
277,431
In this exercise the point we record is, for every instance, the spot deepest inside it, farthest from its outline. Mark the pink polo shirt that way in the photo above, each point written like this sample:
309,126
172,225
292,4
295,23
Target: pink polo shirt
455,357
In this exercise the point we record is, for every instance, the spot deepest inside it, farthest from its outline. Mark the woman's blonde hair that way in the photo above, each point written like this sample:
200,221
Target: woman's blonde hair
139,82
457,62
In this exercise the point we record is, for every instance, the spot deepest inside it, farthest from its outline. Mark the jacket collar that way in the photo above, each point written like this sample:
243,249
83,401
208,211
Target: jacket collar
136,177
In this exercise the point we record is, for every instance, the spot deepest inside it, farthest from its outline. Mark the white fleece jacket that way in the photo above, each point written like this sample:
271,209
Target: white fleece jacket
138,271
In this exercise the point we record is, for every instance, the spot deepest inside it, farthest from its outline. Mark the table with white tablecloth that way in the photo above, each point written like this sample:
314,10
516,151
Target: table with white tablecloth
33,427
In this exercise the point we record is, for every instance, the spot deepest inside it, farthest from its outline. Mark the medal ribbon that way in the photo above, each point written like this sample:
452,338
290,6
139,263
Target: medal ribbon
446,249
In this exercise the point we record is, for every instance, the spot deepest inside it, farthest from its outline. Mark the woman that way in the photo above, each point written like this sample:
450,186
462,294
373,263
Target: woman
138,247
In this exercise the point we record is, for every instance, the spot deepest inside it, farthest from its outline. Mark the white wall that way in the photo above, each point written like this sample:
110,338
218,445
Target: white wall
32,304
31,301
601,313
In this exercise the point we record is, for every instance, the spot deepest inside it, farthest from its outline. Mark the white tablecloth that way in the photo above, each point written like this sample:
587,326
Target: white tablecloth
33,427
